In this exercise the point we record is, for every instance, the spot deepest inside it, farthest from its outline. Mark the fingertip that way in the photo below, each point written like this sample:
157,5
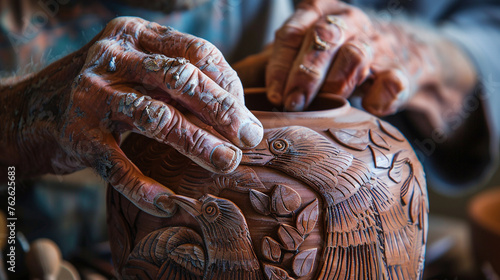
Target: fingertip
296,101
274,94
225,158
388,93
250,134
165,204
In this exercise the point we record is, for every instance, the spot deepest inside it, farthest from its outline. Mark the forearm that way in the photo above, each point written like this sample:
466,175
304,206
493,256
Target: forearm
31,110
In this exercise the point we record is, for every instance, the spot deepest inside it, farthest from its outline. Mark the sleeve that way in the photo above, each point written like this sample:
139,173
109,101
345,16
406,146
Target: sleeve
467,159
8,39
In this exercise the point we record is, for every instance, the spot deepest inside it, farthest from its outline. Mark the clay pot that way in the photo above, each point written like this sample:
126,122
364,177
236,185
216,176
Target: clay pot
484,216
331,193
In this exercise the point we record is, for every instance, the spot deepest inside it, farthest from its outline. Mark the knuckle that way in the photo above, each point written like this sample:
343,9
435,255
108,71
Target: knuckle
330,33
180,77
395,80
354,54
152,117
225,108
202,49
126,104
290,35
195,143
396,75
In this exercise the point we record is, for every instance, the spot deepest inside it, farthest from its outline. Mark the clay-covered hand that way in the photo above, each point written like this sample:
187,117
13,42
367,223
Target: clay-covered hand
134,76
329,46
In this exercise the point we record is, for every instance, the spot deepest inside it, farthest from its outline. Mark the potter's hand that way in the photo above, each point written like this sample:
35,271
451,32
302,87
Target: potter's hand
329,46
130,77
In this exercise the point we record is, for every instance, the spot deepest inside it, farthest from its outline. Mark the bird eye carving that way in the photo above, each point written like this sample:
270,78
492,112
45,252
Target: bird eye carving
279,146
211,210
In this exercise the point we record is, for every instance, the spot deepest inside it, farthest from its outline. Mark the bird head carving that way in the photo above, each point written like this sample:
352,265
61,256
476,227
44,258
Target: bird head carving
212,211
287,142
291,148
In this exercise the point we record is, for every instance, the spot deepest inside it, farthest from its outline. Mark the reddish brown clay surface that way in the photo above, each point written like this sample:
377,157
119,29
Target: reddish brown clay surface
484,213
327,194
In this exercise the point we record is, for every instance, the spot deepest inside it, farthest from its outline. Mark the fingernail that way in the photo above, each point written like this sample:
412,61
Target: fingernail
274,94
165,204
250,134
295,101
225,158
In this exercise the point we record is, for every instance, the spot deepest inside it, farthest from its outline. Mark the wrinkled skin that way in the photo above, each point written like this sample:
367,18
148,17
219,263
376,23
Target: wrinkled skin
134,76
332,47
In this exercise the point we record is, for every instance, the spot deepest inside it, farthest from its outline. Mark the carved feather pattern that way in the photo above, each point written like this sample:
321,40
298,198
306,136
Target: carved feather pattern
229,249
169,253
398,164
365,222
118,228
370,231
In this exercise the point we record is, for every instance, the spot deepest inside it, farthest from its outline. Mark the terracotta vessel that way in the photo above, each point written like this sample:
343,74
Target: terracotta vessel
484,216
328,194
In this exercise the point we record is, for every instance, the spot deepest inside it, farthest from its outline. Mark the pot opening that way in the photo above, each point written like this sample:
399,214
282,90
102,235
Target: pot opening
256,100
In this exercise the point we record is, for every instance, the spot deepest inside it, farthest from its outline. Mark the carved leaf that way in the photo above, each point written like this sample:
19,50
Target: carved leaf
304,261
379,158
391,130
275,273
290,237
378,140
351,138
398,164
260,202
306,220
271,249
284,200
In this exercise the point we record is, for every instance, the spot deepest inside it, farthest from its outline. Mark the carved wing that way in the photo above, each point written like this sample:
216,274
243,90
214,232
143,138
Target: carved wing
168,253
353,238
404,230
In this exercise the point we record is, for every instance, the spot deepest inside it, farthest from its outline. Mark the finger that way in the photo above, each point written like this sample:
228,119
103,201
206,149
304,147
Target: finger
351,66
144,192
289,40
187,85
311,64
286,46
389,91
198,93
200,53
165,124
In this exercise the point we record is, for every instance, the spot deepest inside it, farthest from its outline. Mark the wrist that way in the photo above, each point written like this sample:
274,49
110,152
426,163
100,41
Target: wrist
32,106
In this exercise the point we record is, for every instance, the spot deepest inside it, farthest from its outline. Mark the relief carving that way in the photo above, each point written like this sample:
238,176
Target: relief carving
304,204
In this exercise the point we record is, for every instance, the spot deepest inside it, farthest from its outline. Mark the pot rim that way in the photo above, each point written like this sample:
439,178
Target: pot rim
334,105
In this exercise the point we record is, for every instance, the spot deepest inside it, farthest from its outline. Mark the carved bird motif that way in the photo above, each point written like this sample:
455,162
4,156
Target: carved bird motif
229,251
167,253
368,232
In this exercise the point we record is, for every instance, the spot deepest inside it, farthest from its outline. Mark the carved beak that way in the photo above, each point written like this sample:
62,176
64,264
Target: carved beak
191,205
259,155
